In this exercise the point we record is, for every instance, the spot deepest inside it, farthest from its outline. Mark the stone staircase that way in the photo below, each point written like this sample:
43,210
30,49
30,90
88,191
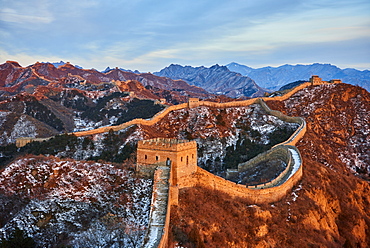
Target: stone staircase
158,209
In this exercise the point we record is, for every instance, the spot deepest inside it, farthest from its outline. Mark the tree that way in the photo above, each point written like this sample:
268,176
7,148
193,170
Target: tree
18,239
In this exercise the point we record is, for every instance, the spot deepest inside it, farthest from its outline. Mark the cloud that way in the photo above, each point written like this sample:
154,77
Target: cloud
344,54
148,34
26,59
12,15
19,12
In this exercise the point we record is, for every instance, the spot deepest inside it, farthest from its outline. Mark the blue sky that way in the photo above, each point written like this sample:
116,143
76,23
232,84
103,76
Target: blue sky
148,35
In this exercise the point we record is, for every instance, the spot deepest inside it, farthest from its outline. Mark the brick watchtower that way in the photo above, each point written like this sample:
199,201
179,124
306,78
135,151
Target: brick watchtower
315,80
182,153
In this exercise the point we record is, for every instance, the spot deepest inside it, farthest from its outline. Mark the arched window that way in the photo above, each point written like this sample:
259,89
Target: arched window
187,160
181,159
146,157
156,158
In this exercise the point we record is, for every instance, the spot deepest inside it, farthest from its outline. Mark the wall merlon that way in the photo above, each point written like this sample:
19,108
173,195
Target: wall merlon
167,144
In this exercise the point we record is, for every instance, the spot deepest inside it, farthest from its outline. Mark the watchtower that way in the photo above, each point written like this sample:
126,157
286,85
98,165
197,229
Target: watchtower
335,81
182,153
193,102
315,79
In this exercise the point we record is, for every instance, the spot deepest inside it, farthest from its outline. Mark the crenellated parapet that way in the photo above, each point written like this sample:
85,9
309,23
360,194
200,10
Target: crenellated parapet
167,144
317,80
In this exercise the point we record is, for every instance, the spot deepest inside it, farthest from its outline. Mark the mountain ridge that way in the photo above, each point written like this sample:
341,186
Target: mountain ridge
215,79
14,78
276,77
328,208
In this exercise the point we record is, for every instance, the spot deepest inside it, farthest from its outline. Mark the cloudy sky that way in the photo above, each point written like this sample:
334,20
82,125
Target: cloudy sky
150,34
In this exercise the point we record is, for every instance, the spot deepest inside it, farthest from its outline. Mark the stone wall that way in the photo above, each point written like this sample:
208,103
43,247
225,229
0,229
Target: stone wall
269,192
298,134
264,193
279,152
194,104
163,197
284,175
22,141
166,186
257,196
157,117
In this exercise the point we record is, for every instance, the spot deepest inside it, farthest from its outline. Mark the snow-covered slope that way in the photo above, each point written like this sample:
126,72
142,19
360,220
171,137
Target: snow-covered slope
74,203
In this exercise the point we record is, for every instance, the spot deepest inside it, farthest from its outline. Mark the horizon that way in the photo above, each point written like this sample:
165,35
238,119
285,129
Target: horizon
148,36
113,67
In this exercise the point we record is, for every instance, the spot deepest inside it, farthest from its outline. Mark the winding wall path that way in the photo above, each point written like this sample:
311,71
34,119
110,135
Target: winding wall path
163,113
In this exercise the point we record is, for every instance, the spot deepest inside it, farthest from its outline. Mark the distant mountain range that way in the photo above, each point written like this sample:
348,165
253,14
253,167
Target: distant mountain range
216,79
60,63
108,69
15,79
235,80
275,77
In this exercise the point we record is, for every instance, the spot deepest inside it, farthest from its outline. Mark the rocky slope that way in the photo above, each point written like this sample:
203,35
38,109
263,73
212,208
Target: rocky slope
339,114
225,137
15,78
62,110
275,77
42,100
216,79
328,208
65,203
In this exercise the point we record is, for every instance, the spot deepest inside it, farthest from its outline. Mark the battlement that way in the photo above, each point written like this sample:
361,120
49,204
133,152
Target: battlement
167,144
193,102
315,79
335,81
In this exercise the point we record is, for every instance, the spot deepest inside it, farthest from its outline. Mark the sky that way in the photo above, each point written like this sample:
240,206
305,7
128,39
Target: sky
149,35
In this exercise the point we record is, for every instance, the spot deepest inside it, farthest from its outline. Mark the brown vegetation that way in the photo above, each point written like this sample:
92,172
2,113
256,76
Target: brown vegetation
329,207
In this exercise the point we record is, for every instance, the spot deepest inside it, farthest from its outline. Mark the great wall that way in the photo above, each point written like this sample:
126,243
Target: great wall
173,163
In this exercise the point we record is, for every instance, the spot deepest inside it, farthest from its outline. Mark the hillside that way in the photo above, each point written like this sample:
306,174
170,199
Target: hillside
42,100
68,110
216,79
66,203
226,136
15,79
275,77
328,208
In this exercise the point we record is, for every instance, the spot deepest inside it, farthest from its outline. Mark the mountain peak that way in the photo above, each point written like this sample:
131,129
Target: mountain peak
13,63
108,69
217,66
217,79
67,65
